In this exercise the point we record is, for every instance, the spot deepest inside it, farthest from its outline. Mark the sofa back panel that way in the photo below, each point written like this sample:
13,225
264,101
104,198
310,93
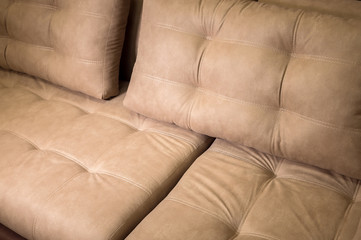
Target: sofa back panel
284,81
70,43
348,9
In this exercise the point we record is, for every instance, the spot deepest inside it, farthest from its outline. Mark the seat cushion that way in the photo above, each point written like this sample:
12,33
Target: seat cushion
236,192
342,8
284,81
75,44
74,167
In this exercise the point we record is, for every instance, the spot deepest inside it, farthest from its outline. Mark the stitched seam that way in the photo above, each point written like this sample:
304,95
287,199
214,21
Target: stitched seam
90,61
190,111
171,135
95,168
324,124
177,84
258,235
324,59
128,124
7,32
52,49
87,13
198,81
82,60
264,46
68,157
229,41
214,15
200,63
280,100
36,4
201,210
31,92
238,101
73,159
348,210
200,89
217,150
295,30
50,197
177,29
35,146
233,236
125,179
33,45
106,50
51,44
267,107
229,10
278,167
296,179
115,231
257,45
343,221
273,141
55,7
202,19
248,210
358,188
5,57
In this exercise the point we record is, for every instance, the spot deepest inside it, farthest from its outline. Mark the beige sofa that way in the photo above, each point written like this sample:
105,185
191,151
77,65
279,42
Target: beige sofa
242,119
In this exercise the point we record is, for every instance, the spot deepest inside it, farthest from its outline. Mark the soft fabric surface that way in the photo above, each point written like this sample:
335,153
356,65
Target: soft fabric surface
73,167
235,192
75,44
342,8
284,81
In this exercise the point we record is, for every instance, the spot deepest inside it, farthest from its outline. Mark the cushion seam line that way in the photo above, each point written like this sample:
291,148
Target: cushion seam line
201,210
35,221
260,106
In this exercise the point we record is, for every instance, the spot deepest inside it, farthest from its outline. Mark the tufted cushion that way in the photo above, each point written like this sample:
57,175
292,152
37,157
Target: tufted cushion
286,82
235,192
72,167
342,8
76,44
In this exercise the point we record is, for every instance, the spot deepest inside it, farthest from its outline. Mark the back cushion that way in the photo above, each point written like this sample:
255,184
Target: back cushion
76,44
342,8
283,81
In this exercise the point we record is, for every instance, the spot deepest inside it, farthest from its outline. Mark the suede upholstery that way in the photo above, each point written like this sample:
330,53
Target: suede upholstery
73,167
235,192
284,81
342,8
75,44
